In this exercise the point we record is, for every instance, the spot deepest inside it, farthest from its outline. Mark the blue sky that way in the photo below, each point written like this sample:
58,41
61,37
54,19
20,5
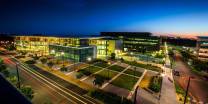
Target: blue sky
89,17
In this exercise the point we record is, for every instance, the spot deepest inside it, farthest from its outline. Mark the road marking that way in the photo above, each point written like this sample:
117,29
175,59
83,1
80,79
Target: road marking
45,84
41,76
53,85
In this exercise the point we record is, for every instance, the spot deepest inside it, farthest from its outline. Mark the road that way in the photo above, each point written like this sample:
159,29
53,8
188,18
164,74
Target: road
198,87
47,87
43,93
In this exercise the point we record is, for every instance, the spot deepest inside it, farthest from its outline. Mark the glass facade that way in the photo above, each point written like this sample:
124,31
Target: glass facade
77,54
136,41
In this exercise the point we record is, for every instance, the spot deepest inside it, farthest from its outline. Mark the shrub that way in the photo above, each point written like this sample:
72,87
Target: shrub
85,72
155,84
79,75
43,60
27,91
113,56
64,69
30,62
99,80
50,64
20,56
108,98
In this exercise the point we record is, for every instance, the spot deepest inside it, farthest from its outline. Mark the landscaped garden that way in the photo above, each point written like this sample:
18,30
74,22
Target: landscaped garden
146,66
134,73
102,64
116,68
155,84
108,98
107,74
89,70
125,81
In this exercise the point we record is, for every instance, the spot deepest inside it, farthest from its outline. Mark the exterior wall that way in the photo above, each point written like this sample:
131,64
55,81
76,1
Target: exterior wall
136,41
40,44
202,48
77,54
34,44
102,46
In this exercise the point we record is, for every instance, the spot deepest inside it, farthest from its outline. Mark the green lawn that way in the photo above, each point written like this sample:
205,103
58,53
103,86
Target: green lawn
93,69
89,70
125,81
146,66
102,64
116,68
132,72
104,74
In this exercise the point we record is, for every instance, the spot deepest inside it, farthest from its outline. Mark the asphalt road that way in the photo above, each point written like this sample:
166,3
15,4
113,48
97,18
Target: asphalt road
43,92
47,87
198,87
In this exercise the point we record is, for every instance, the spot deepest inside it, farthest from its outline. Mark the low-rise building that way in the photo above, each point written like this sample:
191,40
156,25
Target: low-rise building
202,47
136,41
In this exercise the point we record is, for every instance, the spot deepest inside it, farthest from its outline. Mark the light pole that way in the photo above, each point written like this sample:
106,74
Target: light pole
53,52
18,78
108,70
134,73
89,60
131,55
187,88
62,53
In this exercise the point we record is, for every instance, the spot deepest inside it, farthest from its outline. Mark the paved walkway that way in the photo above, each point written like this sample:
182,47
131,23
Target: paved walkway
115,77
168,93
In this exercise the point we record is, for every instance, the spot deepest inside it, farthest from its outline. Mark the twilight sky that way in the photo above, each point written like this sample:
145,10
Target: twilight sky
90,17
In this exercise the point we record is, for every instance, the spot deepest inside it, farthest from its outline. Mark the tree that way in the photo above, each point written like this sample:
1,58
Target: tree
1,61
27,91
35,57
122,60
50,64
3,70
64,69
43,60
99,80
12,79
113,56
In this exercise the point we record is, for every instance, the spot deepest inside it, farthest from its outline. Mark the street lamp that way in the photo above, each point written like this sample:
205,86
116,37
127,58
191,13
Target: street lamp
18,78
108,69
53,52
89,60
62,53
131,55
187,88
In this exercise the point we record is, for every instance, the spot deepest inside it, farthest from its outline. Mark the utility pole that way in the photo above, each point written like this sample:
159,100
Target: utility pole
187,90
18,78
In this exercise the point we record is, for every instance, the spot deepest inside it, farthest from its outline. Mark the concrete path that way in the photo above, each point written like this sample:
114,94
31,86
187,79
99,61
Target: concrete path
168,93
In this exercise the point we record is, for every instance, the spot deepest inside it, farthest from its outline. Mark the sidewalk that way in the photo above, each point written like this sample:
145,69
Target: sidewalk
168,93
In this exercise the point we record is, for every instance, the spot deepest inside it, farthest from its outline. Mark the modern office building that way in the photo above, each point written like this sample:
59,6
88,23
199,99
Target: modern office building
74,48
202,47
136,41
80,48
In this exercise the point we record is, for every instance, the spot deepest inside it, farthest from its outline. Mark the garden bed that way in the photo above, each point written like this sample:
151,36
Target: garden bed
116,68
125,81
107,74
102,64
155,84
108,98
134,73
